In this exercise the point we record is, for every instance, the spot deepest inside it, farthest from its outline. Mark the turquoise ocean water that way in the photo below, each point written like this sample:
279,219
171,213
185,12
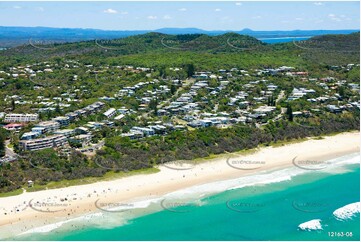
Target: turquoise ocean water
268,206
283,39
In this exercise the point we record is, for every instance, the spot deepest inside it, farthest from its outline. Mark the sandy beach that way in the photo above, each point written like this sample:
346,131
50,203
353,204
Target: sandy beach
21,213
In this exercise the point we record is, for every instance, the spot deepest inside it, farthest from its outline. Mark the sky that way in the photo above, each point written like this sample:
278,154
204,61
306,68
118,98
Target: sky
284,15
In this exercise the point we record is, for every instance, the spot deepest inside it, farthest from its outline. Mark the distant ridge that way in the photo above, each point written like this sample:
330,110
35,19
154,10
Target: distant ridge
14,36
246,30
181,31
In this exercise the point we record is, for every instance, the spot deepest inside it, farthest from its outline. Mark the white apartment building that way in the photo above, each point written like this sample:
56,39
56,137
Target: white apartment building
65,132
63,121
43,143
21,118
48,126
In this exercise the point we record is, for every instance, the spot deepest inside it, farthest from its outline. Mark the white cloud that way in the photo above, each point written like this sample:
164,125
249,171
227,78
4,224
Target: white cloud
124,13
217,10
337,18
318,3
17,7
182,9
167,17
111,11
41,9
152,17
239,4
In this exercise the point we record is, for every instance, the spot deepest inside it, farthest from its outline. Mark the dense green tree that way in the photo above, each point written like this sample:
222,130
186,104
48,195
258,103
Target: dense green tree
13,106
173,89
289,113
57,109
153,105
190,69
2,141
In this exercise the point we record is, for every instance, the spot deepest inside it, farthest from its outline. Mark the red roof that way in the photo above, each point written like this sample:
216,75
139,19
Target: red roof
9,126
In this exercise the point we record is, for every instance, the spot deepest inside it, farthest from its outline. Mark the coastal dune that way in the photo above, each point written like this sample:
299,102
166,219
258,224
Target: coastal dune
30,210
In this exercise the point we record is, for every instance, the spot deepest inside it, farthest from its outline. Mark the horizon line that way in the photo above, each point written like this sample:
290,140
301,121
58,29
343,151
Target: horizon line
180,28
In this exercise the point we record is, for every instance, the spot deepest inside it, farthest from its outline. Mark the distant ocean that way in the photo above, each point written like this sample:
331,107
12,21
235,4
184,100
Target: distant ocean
283,39
266,206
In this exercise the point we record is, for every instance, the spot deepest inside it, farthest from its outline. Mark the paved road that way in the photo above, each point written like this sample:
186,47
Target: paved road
8,151
280,96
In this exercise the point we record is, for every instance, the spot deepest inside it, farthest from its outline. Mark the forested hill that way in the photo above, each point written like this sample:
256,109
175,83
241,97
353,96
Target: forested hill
155,48
150,42
15,36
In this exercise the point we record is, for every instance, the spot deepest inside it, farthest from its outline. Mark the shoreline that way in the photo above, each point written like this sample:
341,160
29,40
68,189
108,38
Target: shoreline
48,206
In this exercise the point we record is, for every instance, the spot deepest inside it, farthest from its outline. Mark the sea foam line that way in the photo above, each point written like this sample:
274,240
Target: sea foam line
347,212
314,224
53,226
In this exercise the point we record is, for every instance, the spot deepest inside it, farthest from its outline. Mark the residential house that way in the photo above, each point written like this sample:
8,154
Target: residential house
13,127
145,131
110,113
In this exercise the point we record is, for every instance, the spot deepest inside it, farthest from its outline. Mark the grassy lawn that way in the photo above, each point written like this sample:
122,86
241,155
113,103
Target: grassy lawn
12,193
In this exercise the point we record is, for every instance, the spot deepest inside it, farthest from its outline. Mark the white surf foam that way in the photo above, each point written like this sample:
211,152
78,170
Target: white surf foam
53,226
140,203
353,158
314,224
347,212
262,178
196,192
221,186
267,178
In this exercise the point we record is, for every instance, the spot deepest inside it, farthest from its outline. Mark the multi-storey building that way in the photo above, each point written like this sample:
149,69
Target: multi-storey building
43,143
63,121
29,135
65,132
21,118
48,126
